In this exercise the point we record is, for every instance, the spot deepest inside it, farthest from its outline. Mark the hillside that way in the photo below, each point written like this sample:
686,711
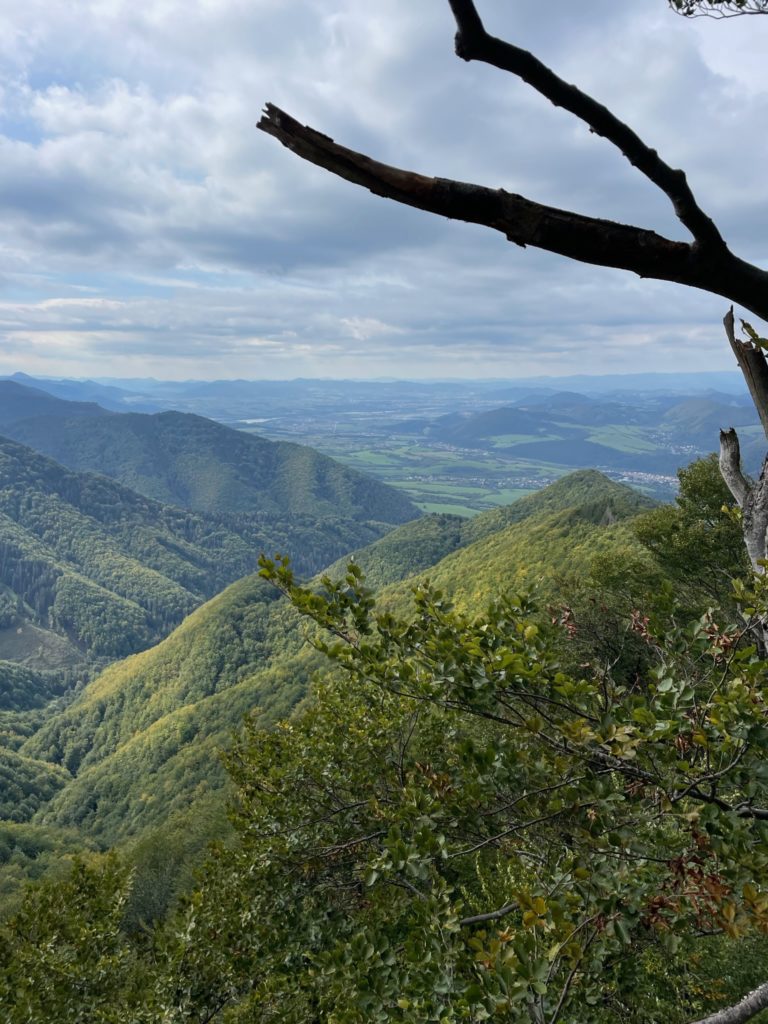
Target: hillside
140,741
106,396
187,460
644,435
583,488
701,419
18,402
407,550
420,545
90,569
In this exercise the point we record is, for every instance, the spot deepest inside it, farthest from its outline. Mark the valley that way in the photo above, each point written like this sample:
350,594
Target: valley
141,644
464,454
452,446
138,746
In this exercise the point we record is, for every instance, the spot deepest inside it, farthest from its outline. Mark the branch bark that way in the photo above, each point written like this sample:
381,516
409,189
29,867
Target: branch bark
751,497
474,43
730,467
742,1011
753,365
706,263
525,222
493,915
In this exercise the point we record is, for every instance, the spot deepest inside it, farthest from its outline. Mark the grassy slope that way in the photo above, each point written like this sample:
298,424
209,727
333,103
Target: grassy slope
143,738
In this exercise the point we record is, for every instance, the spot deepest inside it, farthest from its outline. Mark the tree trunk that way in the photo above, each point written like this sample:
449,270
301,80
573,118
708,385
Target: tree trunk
750,495
743,1011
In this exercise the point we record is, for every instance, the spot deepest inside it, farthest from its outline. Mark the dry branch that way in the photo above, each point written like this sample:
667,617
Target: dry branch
753,366
474,43
741,1012
585,239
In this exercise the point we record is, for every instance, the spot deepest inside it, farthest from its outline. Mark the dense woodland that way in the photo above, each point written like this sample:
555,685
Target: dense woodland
318,862
195,463
92,570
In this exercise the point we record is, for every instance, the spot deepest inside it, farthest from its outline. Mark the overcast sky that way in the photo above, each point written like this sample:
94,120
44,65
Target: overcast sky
149,229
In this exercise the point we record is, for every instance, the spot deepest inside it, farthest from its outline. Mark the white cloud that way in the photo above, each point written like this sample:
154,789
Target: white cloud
131,173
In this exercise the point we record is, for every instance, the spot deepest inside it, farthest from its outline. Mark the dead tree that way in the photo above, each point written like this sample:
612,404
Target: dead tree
705,262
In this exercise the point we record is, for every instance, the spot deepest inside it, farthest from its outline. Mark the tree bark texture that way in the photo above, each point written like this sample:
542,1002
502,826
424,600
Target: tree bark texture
742,1011
705,263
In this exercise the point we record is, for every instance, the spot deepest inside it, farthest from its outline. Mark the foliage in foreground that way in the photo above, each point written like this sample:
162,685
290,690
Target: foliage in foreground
455,829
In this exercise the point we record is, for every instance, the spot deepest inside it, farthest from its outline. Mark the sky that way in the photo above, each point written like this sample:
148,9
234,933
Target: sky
151,230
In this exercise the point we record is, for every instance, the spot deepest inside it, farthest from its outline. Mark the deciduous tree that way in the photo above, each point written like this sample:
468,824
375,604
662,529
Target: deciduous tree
474,833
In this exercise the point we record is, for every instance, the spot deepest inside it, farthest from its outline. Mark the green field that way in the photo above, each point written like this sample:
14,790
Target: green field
443,508
436,477
439,477
624,439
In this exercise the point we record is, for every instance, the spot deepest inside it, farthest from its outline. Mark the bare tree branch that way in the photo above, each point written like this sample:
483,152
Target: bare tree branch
586,239
493,915
474,43
743,1011
752,497
730,466
753,366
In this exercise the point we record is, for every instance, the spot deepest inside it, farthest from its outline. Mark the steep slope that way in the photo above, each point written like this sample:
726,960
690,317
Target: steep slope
187,460
584,487
140,741
89,566
406,550
143,740
18,401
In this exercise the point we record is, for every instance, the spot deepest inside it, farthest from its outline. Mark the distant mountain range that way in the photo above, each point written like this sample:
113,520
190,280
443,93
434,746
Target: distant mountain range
229,400
194,462
637,423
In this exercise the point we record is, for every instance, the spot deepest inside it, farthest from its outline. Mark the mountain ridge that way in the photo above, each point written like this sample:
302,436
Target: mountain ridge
170,707
188,460
103,567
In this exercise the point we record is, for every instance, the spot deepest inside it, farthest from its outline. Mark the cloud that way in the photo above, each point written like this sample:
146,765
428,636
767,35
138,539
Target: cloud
149,225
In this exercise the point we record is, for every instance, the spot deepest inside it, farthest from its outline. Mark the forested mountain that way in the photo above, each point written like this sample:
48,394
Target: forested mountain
90,569
187,460
114,399
20,402
135,760
417,546
141,741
